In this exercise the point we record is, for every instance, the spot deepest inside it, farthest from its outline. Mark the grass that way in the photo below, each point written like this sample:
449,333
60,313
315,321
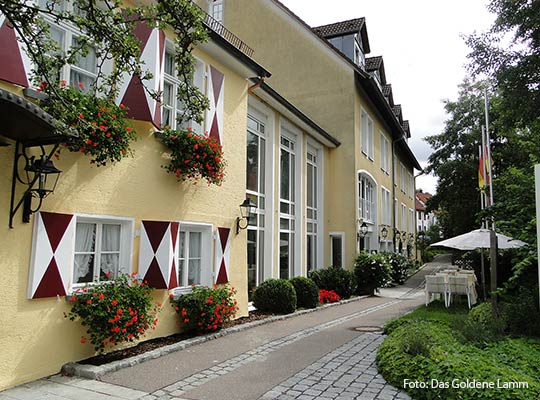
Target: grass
427,354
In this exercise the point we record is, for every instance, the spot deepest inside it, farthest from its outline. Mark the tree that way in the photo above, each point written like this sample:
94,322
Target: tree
455,161
107,27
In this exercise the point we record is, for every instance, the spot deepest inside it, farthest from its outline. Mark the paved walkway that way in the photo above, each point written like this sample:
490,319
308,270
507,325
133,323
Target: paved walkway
326,354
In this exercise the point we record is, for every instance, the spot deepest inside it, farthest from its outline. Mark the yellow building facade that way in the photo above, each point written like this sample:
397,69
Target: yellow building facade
315,147
335,85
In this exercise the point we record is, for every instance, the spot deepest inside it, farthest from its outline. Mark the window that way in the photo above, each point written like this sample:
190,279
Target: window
194,254
83,72
411,185
171,107
386,207
287,205
216,10
385,153
337,249
366,204
102,248
312,208
366,134
256,166
403,177
403,217
411,220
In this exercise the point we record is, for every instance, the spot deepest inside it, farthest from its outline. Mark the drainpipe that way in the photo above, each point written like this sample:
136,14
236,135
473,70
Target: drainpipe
260,81
394,219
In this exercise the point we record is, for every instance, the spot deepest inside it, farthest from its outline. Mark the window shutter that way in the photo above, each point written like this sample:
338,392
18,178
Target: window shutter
52,255
214,120
12,67
157,254
222,253
140,103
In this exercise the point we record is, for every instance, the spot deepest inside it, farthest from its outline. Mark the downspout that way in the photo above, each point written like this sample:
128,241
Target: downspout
394,222
260,81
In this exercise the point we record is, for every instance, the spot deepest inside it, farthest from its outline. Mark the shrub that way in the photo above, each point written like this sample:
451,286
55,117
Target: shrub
275,295
400,266
206,309
334,278
521,312
307,292
416,340
371,272
114,311
328,296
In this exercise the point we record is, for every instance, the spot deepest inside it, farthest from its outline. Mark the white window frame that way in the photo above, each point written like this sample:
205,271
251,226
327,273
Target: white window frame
317,150
199,80
70,33
263,113
403,217
412,222
292,134
207,252
341,236
125,261
385,152
216,10
367,133
395,171
403,177
386,208
367,203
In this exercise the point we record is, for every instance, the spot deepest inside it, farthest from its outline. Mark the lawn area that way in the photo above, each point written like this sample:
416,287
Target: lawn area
439,353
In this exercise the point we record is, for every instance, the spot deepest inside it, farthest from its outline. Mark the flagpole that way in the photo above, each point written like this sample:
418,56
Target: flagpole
492,234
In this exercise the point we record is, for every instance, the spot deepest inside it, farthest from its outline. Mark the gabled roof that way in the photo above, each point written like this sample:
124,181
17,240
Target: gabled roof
376,64
343,28
387,92
397,112
407,128
421,200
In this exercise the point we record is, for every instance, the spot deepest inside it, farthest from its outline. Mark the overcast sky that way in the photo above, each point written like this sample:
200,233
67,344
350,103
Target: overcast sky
423,51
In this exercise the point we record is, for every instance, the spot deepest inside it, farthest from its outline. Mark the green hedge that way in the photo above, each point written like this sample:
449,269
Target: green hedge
307,292
424,348
334,278
275,295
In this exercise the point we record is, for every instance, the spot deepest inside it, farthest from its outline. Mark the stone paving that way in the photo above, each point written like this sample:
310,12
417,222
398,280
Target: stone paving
348,372
178,389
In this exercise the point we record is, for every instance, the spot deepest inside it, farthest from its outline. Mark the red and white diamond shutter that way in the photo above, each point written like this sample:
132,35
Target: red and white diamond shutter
51,262
214,115
15,64
157,255
223,244
132,93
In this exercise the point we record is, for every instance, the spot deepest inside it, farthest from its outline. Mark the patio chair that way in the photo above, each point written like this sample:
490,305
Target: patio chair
437,284
460,285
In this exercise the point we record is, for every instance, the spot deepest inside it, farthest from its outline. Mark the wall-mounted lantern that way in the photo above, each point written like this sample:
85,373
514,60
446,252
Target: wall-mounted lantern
247,209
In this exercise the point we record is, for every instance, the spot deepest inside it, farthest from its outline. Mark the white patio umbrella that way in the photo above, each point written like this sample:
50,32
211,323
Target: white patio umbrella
479,239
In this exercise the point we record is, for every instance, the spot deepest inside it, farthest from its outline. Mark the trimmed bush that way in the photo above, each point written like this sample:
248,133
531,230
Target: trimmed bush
275,295
334,278
307,292
371,272
521,312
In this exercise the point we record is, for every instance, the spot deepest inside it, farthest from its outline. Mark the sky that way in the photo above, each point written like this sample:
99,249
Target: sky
423,49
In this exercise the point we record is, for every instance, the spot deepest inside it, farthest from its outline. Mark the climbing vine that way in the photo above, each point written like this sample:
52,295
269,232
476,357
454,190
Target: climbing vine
107,28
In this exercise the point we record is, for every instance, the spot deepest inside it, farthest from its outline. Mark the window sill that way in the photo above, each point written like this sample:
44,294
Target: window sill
178,292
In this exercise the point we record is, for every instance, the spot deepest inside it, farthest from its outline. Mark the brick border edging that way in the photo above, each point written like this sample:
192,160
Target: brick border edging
96,372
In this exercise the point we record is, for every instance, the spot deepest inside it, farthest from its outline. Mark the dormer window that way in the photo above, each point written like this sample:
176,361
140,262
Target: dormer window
216,10
359,57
